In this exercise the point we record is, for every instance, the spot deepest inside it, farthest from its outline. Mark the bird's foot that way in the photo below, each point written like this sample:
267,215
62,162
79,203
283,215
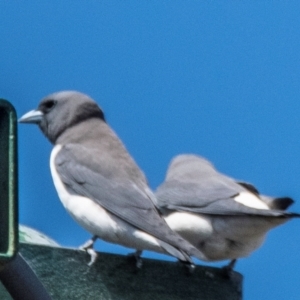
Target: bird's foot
88,246
93,254
89,243
190,267
136,258
227,270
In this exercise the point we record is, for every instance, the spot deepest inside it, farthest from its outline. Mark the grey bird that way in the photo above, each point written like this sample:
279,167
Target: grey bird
222,217
98,182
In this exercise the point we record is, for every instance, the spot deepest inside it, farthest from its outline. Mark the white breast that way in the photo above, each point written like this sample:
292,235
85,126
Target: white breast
98,220
86,212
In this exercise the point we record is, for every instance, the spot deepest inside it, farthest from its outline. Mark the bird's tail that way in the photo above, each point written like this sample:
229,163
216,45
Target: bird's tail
185,251
281,203
180,254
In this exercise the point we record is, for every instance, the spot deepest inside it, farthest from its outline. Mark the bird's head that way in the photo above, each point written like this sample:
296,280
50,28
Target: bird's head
62,110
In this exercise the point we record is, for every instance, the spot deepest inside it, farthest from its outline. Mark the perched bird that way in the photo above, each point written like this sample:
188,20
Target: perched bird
223,218
98,182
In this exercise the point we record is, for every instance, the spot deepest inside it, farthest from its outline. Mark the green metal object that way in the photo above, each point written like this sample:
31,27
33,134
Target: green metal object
8,182
65,274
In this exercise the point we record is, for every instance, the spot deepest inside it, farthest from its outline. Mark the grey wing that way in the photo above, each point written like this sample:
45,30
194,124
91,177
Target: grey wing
177,193
193,181
184,197
120,197
193,184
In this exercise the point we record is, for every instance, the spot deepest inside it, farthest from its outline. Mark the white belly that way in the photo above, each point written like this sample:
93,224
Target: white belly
97,220
192,227
220,238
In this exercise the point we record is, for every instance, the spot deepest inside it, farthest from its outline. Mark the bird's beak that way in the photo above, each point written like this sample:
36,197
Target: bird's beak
33,116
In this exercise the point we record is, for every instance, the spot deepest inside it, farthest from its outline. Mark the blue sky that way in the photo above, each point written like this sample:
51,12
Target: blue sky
216,78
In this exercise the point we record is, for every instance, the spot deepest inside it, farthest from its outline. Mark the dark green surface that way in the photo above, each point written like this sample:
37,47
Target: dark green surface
3,293
8,181
65,274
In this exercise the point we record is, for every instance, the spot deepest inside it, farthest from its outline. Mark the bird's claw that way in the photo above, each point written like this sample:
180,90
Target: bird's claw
88,244
190,267
88,247
93,254
227,270
136,256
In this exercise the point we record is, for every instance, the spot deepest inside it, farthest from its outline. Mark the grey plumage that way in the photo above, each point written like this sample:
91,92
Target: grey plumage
98,182
223,218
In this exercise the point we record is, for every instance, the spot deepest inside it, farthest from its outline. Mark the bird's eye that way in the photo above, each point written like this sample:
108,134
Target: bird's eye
49,104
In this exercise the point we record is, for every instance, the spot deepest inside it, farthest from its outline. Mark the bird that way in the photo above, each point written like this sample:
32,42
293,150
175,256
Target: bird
98,182
224,218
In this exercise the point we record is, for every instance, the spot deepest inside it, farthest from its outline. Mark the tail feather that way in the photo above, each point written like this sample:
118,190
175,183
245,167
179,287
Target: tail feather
282,203
180,254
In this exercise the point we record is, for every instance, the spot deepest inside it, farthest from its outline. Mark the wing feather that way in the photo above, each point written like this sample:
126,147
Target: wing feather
120,197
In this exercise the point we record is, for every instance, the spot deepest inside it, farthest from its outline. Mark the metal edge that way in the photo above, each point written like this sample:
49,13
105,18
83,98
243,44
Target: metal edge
12,181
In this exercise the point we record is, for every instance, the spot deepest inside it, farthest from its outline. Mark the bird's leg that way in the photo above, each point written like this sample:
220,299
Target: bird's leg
190,267
228,269
88,246
89,243
136,256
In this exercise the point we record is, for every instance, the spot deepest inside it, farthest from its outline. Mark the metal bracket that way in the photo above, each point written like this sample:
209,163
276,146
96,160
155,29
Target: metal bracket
8,182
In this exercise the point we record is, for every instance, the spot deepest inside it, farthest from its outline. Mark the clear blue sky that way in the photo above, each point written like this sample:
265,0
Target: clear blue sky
216,78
